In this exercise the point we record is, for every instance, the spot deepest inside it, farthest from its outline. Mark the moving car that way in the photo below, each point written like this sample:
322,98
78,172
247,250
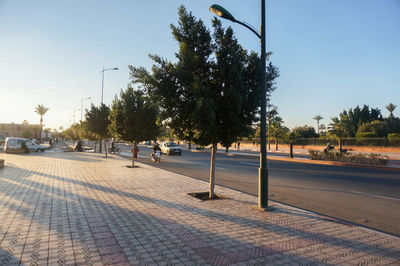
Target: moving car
14,144
170,148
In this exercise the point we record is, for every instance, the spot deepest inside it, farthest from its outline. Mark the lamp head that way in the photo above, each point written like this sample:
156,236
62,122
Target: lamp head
222,12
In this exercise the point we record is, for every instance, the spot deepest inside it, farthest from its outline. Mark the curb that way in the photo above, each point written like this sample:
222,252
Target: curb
309,161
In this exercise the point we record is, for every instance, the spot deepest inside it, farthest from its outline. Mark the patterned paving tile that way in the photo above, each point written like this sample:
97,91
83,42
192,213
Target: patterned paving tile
83,209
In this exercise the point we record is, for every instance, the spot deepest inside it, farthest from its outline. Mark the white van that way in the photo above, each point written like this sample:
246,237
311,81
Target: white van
14,144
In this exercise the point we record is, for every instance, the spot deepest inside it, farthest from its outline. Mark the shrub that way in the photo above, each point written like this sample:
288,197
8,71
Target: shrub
379,128
366,135
394,136
362,158
394,139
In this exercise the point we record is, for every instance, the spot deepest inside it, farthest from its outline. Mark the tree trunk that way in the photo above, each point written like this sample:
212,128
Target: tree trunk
41,122
269,144
105,147
212,170
226,149
190,145
276,144
95,144
340,145
291,150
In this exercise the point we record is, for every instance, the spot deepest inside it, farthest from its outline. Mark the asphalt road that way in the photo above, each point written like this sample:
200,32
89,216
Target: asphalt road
366,196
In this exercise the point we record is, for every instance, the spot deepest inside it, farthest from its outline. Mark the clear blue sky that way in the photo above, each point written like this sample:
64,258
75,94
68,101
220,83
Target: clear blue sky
332,55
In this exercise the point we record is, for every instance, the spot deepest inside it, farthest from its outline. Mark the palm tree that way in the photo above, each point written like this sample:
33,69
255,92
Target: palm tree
272,116
318,118
390,107
41,110
341,128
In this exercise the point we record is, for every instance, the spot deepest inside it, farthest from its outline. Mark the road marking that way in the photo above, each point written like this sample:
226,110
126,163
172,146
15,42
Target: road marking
208,166
375,196
255,164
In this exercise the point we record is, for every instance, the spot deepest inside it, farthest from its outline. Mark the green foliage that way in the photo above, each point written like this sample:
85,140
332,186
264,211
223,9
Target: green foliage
27,134
290,137
97,120
133,117
378,128
318,118
41,110
341,128
394,139
376,159
348,122
305,132
364,135
394,136
83,132
394,125
391,107
211,95
73,132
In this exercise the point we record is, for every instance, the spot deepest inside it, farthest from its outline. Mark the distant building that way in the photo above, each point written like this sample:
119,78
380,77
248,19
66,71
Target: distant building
19,130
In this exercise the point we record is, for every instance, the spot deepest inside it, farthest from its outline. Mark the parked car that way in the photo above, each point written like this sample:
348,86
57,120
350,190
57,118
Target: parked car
170,148
14,144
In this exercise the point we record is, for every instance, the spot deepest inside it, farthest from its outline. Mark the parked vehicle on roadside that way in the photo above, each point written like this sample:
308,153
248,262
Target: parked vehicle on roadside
15,144
170,148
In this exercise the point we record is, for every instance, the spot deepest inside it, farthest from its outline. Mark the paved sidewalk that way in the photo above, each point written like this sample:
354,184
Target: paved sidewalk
72,208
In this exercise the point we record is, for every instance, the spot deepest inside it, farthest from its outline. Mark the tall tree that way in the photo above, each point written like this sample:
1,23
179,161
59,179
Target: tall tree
305,131
318,118
390,107
97,122
272,118
278,131
41,110
358,116
134,118
211,95
341,128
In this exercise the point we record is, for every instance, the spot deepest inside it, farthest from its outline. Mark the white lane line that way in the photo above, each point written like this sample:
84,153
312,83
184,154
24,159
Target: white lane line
375,196
208,166
255,164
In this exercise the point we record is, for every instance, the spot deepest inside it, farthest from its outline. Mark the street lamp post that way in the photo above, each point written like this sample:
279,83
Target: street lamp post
75,112
102,80
83,99
263,170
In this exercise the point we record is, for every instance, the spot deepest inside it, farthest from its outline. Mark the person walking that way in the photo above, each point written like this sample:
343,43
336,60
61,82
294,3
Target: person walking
134,151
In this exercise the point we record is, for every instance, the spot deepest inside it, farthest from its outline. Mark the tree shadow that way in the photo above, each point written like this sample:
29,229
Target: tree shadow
78,156
7,258
304,234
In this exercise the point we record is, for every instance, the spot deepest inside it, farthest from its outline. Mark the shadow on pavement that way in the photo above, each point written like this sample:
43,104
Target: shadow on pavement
306,234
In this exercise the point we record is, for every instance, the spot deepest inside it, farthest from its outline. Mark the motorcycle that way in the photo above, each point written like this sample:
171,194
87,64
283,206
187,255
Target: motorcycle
156,157
114,150
78,146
